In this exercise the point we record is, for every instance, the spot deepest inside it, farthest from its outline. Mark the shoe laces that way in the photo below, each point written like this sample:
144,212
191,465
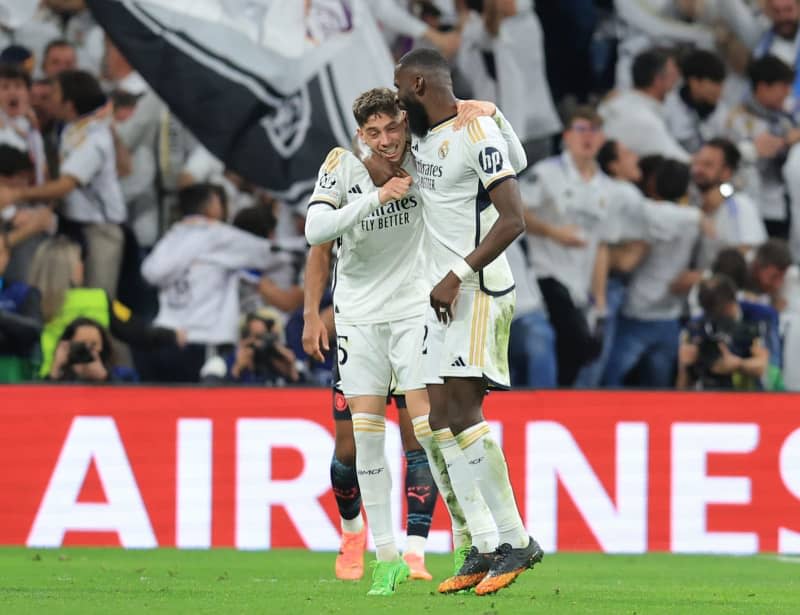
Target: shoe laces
503,550
350,541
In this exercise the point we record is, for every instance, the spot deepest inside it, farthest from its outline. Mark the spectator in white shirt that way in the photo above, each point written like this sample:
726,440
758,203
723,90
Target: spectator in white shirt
764,134
93,207
18,125
648,328
626,249
59,55
734,217
695,112
532,351
196,268
636,117
568,199
649,23
781,40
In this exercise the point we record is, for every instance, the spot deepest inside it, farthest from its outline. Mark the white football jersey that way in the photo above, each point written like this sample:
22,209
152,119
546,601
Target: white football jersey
377,273
455,171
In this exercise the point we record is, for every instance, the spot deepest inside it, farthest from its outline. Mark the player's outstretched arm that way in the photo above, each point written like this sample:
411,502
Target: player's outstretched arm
324,223
315,333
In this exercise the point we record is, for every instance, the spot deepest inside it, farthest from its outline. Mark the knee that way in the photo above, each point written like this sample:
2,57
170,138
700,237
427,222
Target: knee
438,419
462,417
345,449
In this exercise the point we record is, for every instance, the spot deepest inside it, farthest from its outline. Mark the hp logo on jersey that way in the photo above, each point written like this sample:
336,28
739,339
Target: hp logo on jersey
491,160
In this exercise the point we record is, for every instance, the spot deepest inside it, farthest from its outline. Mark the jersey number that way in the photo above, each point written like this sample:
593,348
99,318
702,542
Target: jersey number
425,341
341,340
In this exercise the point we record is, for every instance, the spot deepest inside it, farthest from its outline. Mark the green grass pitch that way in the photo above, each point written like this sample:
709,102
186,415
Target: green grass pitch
286,582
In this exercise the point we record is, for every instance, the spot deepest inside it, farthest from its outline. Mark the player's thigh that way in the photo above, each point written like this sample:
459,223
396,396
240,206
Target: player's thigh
363,361
405,350
433,335
476,341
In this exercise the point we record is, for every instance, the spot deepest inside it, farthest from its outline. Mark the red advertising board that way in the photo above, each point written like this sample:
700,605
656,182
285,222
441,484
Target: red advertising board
248,468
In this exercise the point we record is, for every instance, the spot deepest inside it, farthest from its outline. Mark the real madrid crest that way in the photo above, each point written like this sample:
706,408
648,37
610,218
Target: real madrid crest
444,149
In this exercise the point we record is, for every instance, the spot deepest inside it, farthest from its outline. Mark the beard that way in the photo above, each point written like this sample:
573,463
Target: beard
417,117
704,184
786,29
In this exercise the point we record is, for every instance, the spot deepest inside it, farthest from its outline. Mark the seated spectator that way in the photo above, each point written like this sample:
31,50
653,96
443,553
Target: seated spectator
57,271
261,356
725,348
94,207
196,268
83,353
20,324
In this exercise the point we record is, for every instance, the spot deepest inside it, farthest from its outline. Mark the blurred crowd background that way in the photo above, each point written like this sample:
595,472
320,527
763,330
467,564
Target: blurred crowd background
663,199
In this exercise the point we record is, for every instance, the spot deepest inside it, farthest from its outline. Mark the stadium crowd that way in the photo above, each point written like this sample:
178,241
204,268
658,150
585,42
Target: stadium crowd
663,195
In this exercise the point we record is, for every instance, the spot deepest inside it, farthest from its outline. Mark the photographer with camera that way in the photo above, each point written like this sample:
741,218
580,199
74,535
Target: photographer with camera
83,353
724,349
260,357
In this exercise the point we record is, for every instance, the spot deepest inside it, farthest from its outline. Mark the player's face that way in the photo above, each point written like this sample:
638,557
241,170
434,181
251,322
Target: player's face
385,135
408,88
583,139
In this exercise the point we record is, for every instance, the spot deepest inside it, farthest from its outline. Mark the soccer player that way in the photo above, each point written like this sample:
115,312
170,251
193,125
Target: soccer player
473,211
379,302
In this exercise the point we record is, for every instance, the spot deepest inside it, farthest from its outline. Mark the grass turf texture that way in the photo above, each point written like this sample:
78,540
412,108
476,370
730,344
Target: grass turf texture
288,582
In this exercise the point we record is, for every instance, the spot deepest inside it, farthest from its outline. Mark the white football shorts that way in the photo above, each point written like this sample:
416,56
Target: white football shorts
376,359
474,344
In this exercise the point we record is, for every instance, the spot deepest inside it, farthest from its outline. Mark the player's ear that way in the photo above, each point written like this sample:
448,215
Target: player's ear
419,85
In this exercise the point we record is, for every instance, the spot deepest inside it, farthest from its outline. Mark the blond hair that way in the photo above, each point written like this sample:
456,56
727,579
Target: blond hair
51,272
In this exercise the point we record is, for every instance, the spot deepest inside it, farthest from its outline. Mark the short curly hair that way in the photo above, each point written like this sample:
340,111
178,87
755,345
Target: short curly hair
371,102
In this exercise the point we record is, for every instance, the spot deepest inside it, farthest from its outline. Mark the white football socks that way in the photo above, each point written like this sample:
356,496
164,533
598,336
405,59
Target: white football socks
477,516
375,481
488,465
422,430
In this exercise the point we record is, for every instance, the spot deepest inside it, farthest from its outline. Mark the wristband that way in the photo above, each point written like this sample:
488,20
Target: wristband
462,270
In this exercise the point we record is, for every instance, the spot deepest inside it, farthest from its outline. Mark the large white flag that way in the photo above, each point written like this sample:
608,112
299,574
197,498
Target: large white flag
243,76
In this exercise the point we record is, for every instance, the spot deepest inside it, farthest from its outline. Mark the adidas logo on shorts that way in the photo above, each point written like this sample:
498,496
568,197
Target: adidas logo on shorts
459,362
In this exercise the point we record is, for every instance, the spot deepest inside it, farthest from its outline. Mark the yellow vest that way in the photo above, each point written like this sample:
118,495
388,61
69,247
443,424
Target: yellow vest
78,302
